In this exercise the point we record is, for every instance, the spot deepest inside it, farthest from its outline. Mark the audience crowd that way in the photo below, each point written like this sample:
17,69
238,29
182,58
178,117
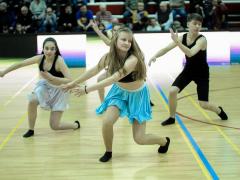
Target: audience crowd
51,16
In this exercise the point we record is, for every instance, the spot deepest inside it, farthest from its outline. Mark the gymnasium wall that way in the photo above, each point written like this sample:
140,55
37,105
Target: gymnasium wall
18,46
223,47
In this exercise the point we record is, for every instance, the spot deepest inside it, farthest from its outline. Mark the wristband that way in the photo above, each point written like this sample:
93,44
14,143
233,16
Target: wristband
85,89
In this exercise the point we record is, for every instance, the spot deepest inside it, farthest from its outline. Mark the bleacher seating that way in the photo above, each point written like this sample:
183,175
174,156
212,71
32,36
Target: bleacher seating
117,9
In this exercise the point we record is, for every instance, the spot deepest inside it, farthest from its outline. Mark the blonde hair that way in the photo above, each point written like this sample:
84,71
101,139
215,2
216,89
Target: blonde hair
115,63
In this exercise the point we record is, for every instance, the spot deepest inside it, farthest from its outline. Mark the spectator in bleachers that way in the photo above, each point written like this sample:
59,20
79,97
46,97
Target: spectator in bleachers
67,20
115,20
84,18
112,29
196,6
177,26
19,29
178,8
164,15
25,19
153,25
7,21
56,5
139,18
146,2
207,7
130,6
219,15
26,2
49,21
14,5
37,8
76,3
103,16
101,27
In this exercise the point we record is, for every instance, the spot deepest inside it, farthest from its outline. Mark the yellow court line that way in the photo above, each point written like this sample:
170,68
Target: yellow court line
233,145
20,121
199,162
18,92
205,171
23,117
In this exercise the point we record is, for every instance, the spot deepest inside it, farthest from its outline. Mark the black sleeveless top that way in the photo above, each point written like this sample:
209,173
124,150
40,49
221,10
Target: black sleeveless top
52,71
197,64
129,78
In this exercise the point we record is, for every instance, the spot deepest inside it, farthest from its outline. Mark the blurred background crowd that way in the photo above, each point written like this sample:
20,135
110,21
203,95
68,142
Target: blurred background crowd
53,16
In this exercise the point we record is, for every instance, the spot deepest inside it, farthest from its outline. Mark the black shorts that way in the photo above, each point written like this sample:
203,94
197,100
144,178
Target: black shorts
185,78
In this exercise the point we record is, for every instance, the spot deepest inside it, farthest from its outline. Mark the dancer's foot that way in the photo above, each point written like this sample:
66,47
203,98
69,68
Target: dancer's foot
29,133
78,124
106,157
168,121
164,149
222,114
151,103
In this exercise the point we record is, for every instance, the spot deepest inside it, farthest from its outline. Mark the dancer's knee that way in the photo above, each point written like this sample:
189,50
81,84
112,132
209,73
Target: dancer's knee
107,123
33,101
138,138
173,91
54,126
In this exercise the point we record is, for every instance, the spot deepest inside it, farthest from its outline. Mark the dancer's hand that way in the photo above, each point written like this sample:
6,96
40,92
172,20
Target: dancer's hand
153,59
68,86
78,91
94,25
174,35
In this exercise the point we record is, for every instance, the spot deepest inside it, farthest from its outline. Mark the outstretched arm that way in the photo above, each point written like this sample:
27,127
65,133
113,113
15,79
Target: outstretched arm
86,75
27,62
129,67
201,44
105,39
161,52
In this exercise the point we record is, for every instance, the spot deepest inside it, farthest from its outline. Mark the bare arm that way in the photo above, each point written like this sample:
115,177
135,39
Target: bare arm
129,67
105,39
86,75
27,62
201,44
161,52
91,72
62,67
89,24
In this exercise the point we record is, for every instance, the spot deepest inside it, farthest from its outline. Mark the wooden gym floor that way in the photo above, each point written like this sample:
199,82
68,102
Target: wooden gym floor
198,150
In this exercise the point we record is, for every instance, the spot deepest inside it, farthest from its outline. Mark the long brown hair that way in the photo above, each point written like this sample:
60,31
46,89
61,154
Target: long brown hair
55,43
115,63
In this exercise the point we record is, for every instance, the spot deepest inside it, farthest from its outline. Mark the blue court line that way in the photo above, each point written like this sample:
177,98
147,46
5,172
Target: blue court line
192,141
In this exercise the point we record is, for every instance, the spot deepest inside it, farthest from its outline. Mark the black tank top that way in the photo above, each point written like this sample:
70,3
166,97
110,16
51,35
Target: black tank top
52,71
197,64
129,78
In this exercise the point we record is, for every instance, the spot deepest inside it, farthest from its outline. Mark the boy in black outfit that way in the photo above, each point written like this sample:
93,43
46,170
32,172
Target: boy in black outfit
194,46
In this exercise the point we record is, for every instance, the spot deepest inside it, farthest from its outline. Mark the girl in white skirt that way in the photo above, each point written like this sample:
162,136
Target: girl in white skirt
129,95
53,72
